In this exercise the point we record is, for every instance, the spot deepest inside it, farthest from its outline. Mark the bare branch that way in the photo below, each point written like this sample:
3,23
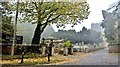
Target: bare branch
46,23
55,18
50,12
36,5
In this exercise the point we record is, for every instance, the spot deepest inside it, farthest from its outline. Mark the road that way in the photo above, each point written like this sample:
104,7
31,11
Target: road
101,57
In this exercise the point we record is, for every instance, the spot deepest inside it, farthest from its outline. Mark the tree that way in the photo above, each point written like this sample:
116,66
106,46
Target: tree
112,27
69,34
45,13
86,36
115,5
117,11
89,36
109,24
57,12
7,26
6,23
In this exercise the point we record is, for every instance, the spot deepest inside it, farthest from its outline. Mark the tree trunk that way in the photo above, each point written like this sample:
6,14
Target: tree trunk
37,35
36,40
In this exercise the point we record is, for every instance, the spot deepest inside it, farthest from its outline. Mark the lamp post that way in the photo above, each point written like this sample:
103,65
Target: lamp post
14,35
0,29
22,51
48,51
48,56
1,15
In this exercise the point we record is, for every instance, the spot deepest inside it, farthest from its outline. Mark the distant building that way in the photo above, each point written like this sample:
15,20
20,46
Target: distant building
96,27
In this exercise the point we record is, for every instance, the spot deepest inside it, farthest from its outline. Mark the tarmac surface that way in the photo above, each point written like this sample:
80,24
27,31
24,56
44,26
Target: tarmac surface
100,57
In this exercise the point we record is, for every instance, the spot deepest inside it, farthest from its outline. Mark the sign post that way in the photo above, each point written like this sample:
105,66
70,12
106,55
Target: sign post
14,35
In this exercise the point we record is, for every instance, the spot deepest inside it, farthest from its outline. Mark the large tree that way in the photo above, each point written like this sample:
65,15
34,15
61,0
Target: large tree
117,13
45,13
111,24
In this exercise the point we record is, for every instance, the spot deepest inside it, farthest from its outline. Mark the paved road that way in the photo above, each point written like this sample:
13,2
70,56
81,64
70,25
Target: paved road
101,57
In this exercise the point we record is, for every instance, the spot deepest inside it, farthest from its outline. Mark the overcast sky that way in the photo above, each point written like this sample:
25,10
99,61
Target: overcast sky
95,16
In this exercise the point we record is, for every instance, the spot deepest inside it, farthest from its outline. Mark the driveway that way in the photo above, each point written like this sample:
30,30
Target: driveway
101,57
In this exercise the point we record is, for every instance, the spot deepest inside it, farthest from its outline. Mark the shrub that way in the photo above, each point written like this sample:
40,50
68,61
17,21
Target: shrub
67,43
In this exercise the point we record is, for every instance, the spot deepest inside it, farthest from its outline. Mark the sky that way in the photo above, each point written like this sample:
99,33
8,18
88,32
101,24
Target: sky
95,16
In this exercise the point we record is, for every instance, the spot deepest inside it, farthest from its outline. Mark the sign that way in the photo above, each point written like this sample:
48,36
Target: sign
9,39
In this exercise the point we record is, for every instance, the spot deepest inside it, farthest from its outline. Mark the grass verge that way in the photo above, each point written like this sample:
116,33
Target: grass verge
34,61
116,54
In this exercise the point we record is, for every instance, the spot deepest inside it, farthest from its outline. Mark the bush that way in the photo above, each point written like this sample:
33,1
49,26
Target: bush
67,43
72,45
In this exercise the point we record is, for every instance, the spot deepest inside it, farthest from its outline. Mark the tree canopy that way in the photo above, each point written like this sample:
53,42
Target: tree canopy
6,23
45,13
86,36
111,24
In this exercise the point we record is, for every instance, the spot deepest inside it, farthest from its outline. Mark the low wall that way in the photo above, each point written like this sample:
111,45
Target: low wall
7,50
94,49
114,49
